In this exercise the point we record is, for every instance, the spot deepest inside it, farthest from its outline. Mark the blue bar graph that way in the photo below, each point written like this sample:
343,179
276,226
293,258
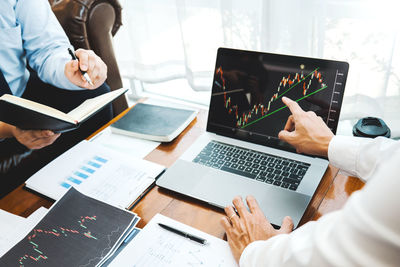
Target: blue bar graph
81,175
66,185
102,160
87,169
74,180
94,164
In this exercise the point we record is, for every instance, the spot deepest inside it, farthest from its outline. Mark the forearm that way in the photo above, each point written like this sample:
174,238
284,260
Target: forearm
6,130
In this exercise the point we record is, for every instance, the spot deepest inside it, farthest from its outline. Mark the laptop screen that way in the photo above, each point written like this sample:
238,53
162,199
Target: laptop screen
246,99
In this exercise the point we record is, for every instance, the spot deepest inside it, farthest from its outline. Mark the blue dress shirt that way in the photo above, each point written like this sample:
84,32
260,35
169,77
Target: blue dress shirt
30,32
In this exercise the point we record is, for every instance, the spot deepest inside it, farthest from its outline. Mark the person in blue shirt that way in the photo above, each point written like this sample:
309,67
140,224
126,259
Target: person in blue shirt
35,64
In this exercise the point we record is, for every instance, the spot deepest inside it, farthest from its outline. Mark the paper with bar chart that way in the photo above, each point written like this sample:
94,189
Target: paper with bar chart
77,231
98,172
247,93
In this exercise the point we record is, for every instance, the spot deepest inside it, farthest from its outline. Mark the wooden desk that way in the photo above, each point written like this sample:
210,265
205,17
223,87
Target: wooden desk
331,194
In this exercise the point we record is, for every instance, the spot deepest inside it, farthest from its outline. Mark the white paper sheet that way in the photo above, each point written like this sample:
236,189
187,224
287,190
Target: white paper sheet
13,227
134,147
99,172
155,246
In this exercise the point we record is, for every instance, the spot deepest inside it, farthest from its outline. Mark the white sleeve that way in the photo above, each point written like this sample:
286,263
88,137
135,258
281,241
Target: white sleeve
365,232
357,156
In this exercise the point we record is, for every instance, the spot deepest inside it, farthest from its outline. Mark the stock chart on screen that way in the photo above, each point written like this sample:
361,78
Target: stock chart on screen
248,88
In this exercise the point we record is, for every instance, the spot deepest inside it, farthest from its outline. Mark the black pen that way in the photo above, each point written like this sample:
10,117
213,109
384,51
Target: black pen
85,75
184,234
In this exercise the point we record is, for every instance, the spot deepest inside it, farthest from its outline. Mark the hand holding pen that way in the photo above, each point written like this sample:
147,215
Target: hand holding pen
86,69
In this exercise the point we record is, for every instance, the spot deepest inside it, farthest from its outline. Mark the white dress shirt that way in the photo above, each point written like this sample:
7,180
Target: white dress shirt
30,32
365,232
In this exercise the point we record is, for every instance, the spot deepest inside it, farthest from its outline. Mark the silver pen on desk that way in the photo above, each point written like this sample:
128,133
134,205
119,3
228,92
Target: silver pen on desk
184,234
84,73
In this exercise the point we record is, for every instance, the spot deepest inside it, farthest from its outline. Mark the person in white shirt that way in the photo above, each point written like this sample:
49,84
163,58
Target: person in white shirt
365,232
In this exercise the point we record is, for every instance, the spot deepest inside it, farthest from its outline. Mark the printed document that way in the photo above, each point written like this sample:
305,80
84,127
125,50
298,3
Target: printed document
96,171
155,246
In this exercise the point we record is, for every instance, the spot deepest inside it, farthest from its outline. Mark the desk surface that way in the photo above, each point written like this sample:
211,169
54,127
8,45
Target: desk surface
331,194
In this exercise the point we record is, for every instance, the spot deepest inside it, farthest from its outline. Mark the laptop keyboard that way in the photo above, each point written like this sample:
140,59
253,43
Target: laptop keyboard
278,171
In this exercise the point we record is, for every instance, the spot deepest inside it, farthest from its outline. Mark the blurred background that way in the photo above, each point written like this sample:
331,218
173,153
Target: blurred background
167,48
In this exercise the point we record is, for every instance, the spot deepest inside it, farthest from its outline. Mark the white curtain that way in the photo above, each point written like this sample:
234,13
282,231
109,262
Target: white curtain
170,39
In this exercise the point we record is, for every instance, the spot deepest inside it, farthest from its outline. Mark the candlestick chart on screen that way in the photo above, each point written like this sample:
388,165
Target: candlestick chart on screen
299,85
248,97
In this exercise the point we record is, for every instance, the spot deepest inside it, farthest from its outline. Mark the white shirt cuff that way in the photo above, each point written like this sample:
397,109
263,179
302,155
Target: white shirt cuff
343,153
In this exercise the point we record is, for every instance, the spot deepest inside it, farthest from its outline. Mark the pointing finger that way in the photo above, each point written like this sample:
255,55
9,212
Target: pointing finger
293,106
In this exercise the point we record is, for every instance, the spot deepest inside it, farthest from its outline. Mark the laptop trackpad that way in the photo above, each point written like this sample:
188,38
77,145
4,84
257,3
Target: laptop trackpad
219,188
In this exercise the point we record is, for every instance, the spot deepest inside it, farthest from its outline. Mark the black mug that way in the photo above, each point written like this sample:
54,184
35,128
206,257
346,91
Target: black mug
371,127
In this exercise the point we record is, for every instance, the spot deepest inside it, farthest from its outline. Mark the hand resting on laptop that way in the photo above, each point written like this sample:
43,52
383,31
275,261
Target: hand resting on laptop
250,226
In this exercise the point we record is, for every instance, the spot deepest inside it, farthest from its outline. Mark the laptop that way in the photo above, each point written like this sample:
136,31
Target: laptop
240,153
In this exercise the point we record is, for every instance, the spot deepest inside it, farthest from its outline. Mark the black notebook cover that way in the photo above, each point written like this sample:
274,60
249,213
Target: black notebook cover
157,123
27,119
33,118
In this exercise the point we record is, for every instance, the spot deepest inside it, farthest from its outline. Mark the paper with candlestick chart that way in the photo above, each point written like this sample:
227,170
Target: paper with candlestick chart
77,231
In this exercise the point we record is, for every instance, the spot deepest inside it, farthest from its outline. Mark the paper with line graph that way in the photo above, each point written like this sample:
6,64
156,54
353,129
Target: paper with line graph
155,246
77,231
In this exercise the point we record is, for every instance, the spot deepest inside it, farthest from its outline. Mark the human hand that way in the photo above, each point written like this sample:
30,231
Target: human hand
305,131
35,139
89,62
251,226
